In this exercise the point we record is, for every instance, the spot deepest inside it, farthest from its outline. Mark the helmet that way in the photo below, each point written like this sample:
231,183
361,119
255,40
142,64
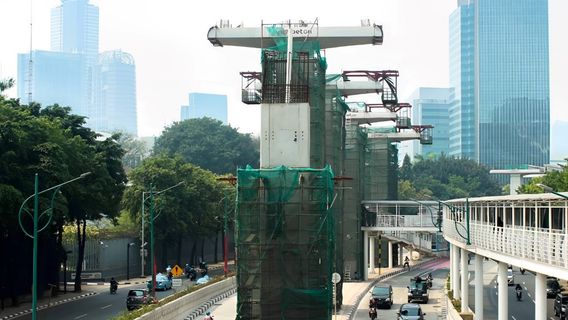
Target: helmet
208,313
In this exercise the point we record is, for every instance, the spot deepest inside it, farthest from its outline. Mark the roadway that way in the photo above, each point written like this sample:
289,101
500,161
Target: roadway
518,310
439,270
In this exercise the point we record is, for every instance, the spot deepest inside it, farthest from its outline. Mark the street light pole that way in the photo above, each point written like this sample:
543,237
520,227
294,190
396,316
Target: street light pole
152,208
142,243
36,216
549,189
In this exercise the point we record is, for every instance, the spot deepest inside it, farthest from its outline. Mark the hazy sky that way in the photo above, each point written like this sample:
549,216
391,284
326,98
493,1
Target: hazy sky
168,40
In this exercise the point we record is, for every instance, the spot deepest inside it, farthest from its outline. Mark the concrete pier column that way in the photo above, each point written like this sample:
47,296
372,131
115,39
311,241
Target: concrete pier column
464,282
365,255
372,254
390,255
478,287
452,271
502,288
400,258
539,296
456,276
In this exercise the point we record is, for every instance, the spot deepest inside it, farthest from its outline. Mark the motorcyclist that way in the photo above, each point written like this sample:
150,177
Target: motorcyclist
429,279
113,285
208,316
522,270
406,263
373,313
371,303
519,291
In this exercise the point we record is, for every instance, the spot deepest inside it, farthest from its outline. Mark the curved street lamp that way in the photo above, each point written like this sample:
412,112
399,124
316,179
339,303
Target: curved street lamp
36,217
550,190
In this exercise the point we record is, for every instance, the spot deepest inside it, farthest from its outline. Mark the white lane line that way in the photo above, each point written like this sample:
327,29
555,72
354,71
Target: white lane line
106,306
81,316
513,317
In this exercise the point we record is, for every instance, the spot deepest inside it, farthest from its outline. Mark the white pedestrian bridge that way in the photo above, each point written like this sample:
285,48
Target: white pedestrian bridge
527,231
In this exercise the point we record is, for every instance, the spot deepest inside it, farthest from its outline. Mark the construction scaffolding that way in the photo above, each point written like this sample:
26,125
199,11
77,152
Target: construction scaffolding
285,243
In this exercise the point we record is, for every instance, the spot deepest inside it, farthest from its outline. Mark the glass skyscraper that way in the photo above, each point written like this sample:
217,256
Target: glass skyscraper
101,88
75,28
499,67
206,105
114,108
432,106
56,78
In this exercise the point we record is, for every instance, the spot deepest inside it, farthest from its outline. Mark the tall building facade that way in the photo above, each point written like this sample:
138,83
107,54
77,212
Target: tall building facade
205,105
499,68
56,78
101,88
432,106
75,28
114,106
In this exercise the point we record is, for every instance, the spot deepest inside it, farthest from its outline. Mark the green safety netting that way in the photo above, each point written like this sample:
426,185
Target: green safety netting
285,242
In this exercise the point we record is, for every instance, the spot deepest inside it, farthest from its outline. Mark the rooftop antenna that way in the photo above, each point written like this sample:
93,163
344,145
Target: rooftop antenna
30,62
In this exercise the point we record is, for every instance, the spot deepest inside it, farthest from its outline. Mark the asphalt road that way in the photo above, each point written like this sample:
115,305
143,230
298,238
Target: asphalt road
518,310
103,305
439,270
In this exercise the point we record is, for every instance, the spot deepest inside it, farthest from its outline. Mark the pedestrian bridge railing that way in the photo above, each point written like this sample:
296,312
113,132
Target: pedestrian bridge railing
531,228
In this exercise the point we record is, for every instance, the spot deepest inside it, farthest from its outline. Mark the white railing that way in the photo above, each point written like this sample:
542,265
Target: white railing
403,221
536,244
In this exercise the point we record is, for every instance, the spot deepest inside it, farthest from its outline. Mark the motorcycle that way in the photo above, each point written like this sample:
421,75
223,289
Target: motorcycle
429,281
522,271
519,294
113,288
373,313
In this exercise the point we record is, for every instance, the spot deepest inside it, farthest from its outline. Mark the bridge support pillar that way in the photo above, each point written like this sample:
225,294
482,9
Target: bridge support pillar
400,247
456,270
503,298
390,255
365,255
478,287
464,282
540,296
372,254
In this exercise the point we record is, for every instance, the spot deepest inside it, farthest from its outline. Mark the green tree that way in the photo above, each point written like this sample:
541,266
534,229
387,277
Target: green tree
446,178
188,210
209,144
557,180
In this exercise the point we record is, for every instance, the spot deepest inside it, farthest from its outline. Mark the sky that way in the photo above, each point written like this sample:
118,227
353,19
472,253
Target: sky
168,39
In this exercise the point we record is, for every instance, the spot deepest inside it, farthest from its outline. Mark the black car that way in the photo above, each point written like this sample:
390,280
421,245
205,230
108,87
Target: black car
136,298
560,302
382,295
410,311
418,290
552,287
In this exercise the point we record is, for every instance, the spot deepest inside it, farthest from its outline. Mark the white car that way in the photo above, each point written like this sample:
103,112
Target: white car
510,277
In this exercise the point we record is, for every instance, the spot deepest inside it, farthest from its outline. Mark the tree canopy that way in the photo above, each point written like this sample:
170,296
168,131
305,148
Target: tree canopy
209,144
557,180
53,143
445,178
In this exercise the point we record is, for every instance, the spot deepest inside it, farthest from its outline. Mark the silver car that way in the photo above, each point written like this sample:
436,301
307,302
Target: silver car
410,311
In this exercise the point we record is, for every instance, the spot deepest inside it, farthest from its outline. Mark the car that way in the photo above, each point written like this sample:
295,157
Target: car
510,277
136,298
560,302
552,287
410,311
382,295
162,282
418,290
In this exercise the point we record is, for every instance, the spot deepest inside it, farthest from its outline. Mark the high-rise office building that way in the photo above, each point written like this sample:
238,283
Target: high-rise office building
432,106
499,70
56,78
205,105
75,28
103,89
114,107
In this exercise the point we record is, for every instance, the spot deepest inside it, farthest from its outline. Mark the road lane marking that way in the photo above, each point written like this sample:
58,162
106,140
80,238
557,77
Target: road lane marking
513,317
106,306
81,316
